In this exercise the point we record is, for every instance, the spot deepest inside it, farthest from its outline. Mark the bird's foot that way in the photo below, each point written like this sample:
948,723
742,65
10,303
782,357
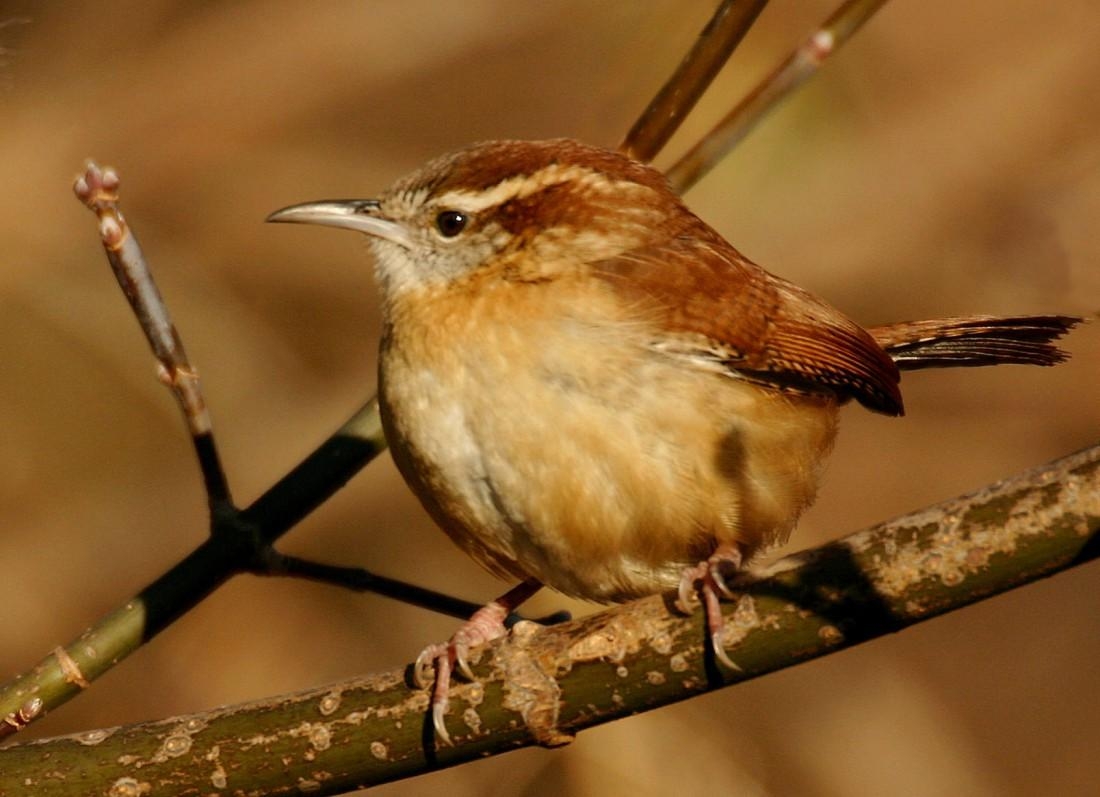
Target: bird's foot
709,581
436,663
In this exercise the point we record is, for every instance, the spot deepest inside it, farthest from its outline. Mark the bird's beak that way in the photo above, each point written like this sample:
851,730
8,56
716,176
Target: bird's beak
361,215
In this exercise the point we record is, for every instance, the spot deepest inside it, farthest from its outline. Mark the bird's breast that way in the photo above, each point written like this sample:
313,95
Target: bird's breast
547,435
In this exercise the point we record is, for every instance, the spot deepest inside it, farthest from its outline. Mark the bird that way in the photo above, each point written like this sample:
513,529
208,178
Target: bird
588,388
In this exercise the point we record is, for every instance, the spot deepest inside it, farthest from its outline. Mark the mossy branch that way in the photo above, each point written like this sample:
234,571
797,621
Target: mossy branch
543,685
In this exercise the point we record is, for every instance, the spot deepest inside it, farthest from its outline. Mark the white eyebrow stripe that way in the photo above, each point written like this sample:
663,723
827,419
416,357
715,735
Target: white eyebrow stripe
519,187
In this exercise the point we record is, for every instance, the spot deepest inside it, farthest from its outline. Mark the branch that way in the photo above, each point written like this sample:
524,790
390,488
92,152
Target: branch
543,685
243,544
665,112
240,541
801,65
98,189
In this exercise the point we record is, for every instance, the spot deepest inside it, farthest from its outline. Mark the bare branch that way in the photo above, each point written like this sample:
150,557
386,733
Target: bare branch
98,189
802,64
662,117
544,685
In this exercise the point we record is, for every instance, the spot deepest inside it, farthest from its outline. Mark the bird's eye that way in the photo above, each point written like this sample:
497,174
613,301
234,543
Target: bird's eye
451,222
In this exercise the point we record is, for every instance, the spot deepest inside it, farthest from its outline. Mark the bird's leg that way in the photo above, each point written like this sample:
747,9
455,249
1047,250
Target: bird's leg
708,579
485,625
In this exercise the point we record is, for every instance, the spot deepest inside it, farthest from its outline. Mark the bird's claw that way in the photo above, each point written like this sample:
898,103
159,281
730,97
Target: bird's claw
439,711
718,578
424,667
719,647
685,593
436,663
707,580
461,663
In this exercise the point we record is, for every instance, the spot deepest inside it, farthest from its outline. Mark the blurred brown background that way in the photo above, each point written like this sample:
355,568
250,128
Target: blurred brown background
947,161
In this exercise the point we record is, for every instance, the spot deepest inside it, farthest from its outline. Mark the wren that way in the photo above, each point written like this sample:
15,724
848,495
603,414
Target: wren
588,388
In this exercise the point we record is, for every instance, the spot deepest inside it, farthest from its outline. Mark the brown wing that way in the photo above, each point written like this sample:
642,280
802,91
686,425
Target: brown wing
717,304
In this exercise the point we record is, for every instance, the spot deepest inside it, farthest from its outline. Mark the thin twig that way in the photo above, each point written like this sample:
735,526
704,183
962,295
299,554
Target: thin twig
662,117
802,64
542,686
360,580
98,189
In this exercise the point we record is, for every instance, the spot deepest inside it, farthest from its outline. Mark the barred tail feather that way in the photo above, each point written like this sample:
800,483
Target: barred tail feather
975,340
